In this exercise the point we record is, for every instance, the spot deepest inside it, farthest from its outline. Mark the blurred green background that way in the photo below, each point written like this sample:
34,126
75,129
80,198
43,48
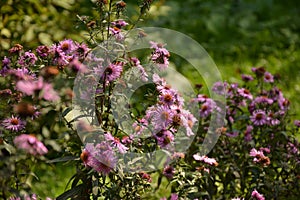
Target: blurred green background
237,34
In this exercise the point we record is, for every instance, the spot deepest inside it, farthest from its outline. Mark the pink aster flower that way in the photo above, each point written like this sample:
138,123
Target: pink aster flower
259,157
169,172
257,195
66,46
30,144
297,123
160,55
263,100
27,59
42,51
113,71
268,77
100,157
44,89
247,78
220,88
164,139
245,93
160,116
259,117
13,124
140,68
210,161
116,142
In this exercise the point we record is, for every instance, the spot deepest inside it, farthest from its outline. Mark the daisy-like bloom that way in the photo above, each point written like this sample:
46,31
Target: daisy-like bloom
245,93
27,59
283,102
100,157
205,159
113,71
169,172
257,195
116,143
22,73
259,71
140,126
259,157
77,66
137,64
220,88
5,66
30,144
66,46
45,90
164,139
81,50
13,124
297,123
247,78
42,51
119,23
207,108
160,116
160,55
272,119
268,77
258,118
59,57
167,97
247,134
116,32
263,100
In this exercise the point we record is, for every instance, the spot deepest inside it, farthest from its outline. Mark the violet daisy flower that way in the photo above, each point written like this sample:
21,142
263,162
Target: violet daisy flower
27,59
160,55
259,118
263,100
268,77
136,63
116,142
257,195
113,71
42,51
210,161
220,88
169,172
297,123
247,78
207,108
13,124
30,144
160,116
99,157
247,134
245,93
164,138
66,46
259,156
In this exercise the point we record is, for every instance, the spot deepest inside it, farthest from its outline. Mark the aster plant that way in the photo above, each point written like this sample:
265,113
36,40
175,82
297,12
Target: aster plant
256,156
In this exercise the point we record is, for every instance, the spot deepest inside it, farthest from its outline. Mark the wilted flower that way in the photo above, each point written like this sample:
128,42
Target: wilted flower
27,59
259,157
30,144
